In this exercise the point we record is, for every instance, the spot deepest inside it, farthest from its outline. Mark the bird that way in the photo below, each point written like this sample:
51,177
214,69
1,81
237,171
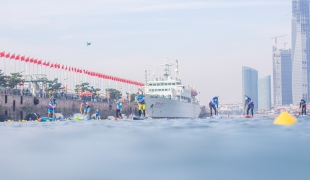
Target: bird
88,43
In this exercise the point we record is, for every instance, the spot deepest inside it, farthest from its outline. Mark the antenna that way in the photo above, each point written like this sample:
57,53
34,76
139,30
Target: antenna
177,69
166,68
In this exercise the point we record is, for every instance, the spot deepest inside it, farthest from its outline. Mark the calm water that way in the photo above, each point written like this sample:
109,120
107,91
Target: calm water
156,149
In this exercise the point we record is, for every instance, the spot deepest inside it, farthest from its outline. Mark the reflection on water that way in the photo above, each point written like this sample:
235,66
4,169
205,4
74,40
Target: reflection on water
156,149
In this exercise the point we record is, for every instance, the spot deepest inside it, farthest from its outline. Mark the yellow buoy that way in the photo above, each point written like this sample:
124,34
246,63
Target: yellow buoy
47,120
285,119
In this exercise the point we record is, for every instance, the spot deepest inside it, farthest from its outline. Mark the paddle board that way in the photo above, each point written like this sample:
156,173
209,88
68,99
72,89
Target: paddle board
247,116
44,119
137,118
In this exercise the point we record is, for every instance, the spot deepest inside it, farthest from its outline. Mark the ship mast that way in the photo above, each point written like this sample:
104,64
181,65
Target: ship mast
177,70
166,68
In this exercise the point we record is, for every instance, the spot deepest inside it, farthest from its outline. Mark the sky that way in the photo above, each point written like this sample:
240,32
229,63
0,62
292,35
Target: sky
211,39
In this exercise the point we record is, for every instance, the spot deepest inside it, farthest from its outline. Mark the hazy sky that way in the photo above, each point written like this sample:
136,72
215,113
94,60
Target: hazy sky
212,39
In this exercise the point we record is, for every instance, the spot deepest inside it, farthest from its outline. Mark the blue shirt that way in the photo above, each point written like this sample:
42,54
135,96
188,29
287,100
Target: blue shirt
215,102
140,99
119,106
97,113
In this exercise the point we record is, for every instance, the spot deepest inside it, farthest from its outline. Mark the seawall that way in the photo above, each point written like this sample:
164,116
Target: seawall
24,105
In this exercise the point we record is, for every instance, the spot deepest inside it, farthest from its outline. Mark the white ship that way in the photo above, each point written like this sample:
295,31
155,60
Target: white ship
166,97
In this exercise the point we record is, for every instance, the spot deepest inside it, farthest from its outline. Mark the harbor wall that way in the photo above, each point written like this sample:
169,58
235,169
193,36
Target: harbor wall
24,105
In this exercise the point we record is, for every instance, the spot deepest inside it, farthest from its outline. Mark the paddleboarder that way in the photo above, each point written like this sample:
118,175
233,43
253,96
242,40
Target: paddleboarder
51,108
119,107
249,104
303,107
141,103
214,104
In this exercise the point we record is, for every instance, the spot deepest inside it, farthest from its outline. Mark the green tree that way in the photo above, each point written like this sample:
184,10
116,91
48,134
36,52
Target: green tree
54,85
3,79
114,94
84,86
14,79
94,90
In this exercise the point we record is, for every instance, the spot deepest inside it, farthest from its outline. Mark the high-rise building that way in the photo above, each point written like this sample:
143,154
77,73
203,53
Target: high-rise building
282,77
264,93
250,85
300,50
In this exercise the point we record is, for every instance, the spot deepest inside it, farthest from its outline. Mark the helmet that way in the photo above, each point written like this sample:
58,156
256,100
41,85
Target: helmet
83,100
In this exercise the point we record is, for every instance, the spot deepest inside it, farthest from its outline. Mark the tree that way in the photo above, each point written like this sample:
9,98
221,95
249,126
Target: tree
54,85
114,94
84,86
3,79
14,79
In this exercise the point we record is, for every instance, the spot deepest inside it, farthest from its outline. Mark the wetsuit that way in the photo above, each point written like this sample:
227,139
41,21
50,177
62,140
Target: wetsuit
119,107
214,104
250,105
303,107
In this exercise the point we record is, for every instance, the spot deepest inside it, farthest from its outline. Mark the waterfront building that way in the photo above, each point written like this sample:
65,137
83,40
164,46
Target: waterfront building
264,93
282,77
250,84
300,50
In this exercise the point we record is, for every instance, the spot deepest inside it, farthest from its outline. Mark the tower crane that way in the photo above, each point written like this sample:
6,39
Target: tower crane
276,39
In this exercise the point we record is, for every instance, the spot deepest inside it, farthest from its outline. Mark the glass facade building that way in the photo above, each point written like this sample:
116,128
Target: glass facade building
264,93
282,77
300,50
250,85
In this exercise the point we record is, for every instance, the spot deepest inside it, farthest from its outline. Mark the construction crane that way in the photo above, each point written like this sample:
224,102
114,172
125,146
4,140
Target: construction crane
276,39
285,43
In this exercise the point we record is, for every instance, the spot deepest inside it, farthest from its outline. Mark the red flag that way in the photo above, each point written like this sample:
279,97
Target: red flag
22,58
31,60
35,61
13,56
17,57
52,65
66,68
44,63
47,64
27,60
69,69
2,54
7,55
40,62
62,67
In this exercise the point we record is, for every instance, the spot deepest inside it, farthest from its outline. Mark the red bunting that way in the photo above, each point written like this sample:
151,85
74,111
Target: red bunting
7,55
17,57
2,54
40,62
22,58
52,65
35,61
31,60
27,60
13,56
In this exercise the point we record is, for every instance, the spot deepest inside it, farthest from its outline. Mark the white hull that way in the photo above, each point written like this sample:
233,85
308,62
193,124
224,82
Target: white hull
161,107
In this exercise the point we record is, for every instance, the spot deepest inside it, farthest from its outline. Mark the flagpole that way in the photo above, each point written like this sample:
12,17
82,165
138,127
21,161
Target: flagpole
4,63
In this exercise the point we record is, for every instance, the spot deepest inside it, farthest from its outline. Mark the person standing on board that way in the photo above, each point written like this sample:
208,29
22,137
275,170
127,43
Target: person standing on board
249,104
119,107
51,108
303,106
85,107
141,102
214,104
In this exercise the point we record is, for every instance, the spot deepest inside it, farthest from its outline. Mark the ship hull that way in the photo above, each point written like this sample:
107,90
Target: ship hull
161,107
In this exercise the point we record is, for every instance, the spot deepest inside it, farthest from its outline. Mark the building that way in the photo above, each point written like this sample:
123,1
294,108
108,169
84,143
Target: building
300,50
250,84
264,93
282,77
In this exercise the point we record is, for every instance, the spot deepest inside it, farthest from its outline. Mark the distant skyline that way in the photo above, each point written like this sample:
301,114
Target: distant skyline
211,40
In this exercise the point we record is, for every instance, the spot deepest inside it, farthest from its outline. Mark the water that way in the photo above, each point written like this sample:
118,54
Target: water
156,149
